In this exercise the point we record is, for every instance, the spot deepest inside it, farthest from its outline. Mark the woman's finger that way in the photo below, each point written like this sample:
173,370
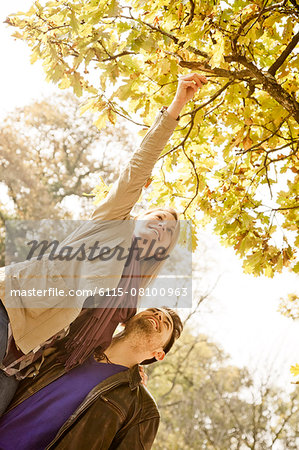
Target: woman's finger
200,78
189,84
143,375
195,77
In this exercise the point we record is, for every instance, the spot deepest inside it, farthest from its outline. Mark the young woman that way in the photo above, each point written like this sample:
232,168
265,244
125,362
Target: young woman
29,325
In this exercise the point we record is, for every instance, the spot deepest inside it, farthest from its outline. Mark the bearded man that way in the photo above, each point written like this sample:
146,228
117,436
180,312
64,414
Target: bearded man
100,404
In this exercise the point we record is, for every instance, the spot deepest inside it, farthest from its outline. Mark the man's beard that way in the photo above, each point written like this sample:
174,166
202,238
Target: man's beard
139,327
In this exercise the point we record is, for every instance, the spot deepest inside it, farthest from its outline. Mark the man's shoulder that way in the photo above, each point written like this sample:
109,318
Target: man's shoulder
137,404
149,405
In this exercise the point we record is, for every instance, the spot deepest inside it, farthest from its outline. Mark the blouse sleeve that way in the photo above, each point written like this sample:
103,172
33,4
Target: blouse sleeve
127,189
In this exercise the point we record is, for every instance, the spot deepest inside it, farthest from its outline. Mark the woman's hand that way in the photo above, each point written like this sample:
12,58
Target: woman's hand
187,87
143,375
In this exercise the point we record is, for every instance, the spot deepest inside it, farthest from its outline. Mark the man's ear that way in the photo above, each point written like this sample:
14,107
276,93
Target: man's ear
159,355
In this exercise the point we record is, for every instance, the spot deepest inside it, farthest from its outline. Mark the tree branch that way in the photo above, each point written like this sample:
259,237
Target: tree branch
111,57
271,86
179,368
259,144
285,421
196,176
286,208
191,15
287,51
223,73
267,175
2,217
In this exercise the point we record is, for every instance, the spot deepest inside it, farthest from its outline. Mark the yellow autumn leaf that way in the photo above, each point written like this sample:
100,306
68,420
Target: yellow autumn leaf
295,370
65,82
111,116
218,53
100,191
88,105
101,121
164,66
247,142
142,132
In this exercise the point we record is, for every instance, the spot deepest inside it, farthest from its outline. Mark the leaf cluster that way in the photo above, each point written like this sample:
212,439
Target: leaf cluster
233,160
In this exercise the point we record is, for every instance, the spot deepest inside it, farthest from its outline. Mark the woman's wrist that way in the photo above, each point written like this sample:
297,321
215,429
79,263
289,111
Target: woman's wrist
175,108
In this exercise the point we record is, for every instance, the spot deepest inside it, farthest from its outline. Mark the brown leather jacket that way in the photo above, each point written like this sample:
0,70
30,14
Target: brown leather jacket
119,413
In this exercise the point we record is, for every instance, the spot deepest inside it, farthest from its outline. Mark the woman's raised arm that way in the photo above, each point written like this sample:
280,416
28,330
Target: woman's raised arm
127,189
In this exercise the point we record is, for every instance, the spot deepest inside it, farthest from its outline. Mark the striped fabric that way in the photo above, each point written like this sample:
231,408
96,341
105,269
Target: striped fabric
23,366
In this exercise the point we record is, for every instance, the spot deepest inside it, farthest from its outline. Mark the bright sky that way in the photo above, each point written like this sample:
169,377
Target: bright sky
243,316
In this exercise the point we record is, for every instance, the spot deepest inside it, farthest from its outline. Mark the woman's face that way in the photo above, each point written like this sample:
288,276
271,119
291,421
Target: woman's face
155,229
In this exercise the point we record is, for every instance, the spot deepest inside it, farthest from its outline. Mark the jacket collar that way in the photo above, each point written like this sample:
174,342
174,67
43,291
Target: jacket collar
130,376
134,377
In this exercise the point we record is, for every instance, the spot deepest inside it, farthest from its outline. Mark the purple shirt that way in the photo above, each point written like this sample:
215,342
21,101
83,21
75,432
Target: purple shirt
34,423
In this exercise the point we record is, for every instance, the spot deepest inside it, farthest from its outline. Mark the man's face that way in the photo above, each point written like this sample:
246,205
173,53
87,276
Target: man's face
152,329
156,227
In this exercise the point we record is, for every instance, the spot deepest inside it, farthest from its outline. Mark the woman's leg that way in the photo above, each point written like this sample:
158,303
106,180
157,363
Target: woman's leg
8,385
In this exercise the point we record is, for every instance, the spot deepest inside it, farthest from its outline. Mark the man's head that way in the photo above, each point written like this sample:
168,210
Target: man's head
152,333
157,228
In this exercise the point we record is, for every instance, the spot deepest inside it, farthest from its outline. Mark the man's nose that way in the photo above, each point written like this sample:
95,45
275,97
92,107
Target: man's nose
158,314
161,225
